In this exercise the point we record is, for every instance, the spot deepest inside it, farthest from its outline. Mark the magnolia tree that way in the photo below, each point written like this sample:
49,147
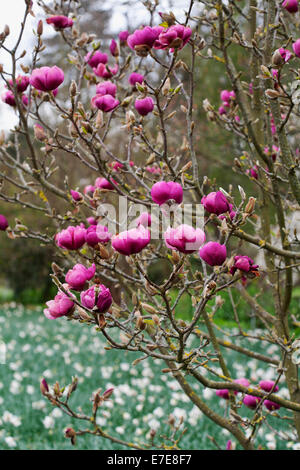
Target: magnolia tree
159,207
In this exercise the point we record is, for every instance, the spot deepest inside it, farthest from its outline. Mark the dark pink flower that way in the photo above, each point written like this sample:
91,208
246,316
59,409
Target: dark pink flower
142,40
104,71
76,195
164,191
135,78
114,50
250,401
72,238
97,297
3,222
267,385
131,241
97,233
47,78
60,306
89,190
144,219
123,35
8,98
271,405
213,253
174,37
106,103
296,47
78,276
144,106
290,5
184,238
285,54
91,221
103,183
96,58
22,82
216,203
60,22
224,392
106,88
244,264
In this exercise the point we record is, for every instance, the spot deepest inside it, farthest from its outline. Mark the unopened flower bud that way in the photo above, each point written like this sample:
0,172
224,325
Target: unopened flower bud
40,28
148,308
277,59
73,88
107,394
44,387
250,205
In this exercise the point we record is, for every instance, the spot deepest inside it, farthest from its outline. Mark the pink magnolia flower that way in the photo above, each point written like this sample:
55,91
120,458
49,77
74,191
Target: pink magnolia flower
164,191
97,297
76,196
25,100
285,54
155,170
60,21
106,88
104,71
22,82
216,203
296,47
123,35
97,233
117,166
290,5
135,78
72,238
144,219
96,58
131,241
250,401
227,96
39,132
244,264
60,306
142,40
44,388
222,110
275,151
224,392
144,106
213,253
3,222
91,221
47,78
106,103
114,50
174,37
267,385
89,190
8,98
271,405
253,172
79,275
103,183
184,238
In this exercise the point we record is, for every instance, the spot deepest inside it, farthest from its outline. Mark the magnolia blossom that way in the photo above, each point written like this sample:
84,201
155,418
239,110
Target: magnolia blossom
184,238
135,78
216,203
250,401
296,47
267,386
224,392
106,103
113,47
60,306
103,183
142,40
175,37
106,88
213,253
144,106
22,82
3,222
144,219
97,297
79,275
89,190
123,35
60,22
76,195
290,5
96,58
8,98
71,238
97,233
104,71
244,264
47,78
164,191
271,406
131,241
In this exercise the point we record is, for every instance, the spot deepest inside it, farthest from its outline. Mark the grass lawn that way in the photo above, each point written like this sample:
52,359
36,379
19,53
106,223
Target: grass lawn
143,396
